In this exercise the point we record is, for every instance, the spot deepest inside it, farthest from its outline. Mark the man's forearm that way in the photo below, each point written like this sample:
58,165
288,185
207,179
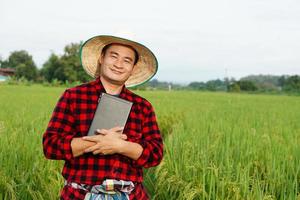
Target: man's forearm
78,146
131,150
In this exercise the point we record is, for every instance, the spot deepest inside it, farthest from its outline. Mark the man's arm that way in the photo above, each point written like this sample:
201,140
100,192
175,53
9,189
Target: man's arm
131,150
151,142
79,145
60,132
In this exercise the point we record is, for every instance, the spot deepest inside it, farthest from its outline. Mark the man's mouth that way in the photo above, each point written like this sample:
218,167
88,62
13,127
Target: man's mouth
116,71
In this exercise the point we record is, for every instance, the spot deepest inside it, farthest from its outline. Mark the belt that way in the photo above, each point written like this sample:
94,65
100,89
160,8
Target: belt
108,186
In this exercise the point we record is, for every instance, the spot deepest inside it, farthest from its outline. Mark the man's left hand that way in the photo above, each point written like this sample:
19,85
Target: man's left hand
108,142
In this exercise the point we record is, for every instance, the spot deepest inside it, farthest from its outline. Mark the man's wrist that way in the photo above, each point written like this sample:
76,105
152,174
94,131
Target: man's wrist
78,145
123,147
131,149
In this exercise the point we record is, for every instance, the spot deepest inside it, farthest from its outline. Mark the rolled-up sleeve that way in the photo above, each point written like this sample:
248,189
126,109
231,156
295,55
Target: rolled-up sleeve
152,142
59,133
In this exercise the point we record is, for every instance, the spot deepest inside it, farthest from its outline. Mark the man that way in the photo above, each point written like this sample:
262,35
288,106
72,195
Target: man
107,165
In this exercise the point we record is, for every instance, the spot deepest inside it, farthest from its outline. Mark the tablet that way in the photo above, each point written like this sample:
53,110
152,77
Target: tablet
111,111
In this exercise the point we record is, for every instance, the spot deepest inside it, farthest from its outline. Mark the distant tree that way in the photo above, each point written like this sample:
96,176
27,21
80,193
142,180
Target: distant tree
228,82
282,80
266,82
65,68
234,87
197,85
267,87
23,63
247,85
71,62
4,64
26,71
19,57
153,83
259,79
50,67
214,85
242,85
292,84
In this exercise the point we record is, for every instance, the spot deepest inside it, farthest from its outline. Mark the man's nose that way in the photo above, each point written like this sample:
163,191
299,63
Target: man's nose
118,63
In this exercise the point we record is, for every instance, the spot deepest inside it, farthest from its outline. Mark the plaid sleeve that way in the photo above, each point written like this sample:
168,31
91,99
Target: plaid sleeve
59,133
152,142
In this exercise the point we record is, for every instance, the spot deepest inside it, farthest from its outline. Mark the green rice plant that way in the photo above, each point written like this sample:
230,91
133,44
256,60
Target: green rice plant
217,145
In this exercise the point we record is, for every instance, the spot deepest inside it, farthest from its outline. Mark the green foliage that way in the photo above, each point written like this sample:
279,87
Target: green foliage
265,83
27,71
18,81
50,67
247,85
212,85
18,57
197,85
1,62
23,63
66,67
234,87
242,85
263,79
269,83
292,84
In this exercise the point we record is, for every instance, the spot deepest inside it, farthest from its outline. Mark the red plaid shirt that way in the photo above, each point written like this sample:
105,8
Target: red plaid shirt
72,117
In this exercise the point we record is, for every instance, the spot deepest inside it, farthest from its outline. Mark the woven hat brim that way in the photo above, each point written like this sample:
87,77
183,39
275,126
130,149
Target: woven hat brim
144,69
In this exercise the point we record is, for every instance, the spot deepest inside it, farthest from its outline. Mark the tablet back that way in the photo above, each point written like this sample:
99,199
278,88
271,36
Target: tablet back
111,111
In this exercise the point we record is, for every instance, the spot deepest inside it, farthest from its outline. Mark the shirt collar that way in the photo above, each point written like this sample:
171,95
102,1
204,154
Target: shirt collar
100,89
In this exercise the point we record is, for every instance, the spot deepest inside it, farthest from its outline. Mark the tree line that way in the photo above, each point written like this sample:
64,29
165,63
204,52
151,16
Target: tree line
58,68
252,83
66,68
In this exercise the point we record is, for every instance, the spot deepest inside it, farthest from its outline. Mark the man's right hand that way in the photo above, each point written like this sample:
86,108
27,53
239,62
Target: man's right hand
79,145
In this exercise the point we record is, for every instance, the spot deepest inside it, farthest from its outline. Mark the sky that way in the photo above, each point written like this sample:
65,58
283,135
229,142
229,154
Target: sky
194,40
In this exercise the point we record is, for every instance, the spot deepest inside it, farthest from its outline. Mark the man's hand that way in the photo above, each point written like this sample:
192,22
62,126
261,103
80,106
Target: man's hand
107,141
78,146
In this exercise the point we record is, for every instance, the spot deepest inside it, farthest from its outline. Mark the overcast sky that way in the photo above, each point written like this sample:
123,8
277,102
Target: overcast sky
193,40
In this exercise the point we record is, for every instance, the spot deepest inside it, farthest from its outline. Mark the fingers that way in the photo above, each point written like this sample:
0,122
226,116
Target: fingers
97,152
94,148
117,129
93,138
102,131
124,137
105,131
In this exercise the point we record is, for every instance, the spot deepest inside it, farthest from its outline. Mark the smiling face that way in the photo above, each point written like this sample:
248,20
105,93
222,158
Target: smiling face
117,63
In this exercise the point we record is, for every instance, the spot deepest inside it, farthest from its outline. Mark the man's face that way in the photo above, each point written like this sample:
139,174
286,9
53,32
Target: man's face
117,64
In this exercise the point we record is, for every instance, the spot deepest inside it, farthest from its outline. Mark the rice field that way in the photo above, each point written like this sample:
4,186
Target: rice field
217,145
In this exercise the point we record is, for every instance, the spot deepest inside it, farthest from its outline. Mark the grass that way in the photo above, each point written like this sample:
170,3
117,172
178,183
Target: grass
217,145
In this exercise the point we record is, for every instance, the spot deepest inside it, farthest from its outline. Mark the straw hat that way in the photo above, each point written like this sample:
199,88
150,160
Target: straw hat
144,69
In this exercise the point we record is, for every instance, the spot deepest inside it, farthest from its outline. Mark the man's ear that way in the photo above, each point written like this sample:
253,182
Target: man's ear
100,59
